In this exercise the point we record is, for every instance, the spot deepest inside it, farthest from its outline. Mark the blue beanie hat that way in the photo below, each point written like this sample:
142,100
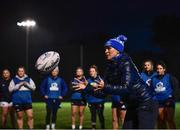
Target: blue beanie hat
117,43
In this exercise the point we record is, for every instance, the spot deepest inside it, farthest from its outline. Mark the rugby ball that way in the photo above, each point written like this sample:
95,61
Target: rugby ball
47,62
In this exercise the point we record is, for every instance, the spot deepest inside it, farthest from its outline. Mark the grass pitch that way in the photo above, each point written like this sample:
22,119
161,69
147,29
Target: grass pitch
64,116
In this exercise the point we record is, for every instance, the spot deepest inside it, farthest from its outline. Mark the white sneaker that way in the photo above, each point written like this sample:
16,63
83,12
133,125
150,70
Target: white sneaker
73,127
47,127
53,126
80,127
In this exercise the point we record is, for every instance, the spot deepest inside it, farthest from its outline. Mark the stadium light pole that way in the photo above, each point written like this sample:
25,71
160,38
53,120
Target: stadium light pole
27,24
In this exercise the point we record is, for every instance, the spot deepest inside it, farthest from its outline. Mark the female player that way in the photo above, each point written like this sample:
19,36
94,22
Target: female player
5,99
148,71
53,88
95,99
78,102
122,78
20,87
118,111
164,85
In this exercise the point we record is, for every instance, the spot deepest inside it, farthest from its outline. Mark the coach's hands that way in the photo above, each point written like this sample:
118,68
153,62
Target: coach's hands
85,82
60,97
80,86
94,84
46,97
100,85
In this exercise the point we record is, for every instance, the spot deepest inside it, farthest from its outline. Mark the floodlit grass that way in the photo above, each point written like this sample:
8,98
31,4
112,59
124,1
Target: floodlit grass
64,116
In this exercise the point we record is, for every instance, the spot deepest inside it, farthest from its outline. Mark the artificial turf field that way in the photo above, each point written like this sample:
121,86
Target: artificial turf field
64,116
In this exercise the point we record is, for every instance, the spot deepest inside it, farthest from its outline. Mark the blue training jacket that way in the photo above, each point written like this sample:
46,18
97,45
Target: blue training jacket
162,87
53,87
91,95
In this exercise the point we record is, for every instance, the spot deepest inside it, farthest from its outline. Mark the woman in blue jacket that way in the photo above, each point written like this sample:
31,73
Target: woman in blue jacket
78,102
164,85
53,88
122,78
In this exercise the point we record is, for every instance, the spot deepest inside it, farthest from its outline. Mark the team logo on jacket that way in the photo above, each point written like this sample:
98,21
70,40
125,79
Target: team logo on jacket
54,87
160,87
148,82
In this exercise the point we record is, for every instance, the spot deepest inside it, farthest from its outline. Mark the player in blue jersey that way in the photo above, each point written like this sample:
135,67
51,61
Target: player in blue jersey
53,88
148,71
20,87
5,99
118,111
164,85
95,99
78,102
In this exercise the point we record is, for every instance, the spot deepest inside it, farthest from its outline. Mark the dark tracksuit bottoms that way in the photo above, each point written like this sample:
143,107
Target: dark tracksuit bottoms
51,109
142,117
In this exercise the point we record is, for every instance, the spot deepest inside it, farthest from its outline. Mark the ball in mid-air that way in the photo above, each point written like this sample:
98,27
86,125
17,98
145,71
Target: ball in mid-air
47,61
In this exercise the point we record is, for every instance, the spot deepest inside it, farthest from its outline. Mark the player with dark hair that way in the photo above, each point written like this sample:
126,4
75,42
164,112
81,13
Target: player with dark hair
122,78
78,102
53,88
164,85
118,111
5,99
148,71
20,87
95,99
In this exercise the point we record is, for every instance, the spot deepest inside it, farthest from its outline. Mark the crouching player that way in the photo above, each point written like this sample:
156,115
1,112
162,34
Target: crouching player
118,111
53,88
164,85
21,86
78,102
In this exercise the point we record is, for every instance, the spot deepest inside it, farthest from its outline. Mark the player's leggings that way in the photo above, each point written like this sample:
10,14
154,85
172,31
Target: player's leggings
50,112
99,109
51,109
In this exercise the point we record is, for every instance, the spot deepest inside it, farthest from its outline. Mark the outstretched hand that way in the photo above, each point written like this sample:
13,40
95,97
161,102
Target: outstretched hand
100,84
79,86
85,82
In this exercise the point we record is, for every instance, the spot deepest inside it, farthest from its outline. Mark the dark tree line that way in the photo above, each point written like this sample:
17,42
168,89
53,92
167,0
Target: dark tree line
166,35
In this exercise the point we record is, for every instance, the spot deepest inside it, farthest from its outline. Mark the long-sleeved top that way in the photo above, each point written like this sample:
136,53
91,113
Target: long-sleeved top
21,94
53,87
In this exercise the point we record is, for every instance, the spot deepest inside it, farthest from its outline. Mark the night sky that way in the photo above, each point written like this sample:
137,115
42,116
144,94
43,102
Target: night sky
64,25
